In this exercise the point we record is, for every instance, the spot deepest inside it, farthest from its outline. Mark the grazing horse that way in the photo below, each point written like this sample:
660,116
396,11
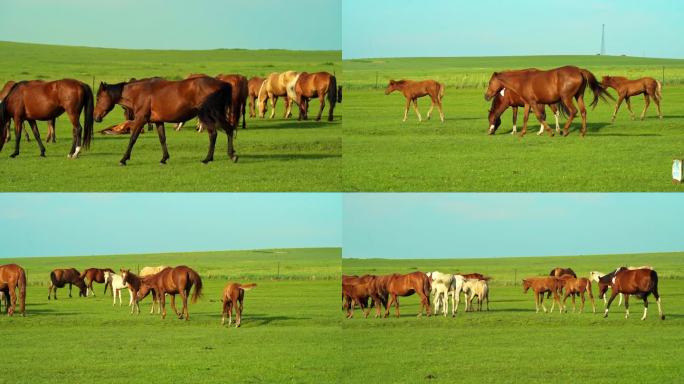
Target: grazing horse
253,86
412,90
12,277
173,281
162,101
60,277
274,86
96,275
45,101
558,272
508,98
404,285
626,88
233,295
358,290
116,282
542,285
572,286
310,85
475,287
638,282
555,86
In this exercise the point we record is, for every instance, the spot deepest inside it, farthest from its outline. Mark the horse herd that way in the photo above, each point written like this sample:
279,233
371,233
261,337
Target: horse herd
157,282
533,89
218,103
384,290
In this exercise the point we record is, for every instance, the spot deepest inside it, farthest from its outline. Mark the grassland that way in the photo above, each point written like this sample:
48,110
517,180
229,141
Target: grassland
512,343
383,154
290,324
275,155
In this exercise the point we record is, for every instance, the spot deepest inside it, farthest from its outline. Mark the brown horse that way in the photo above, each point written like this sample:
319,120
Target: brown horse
555,86
412,90
12,277
508,98
173,281
96,275
134,283
233,295
3,93
253,86
239,99
404,285
574,286
276,85
358,290
542,285
60,277
639,282
162,101
475,275
310,85
648,86
558,272
45,101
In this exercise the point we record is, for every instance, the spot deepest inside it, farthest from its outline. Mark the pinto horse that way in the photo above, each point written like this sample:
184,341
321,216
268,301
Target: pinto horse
60,277
253,86
412,90
648,86
508,98
160,101
276,85
173,281
233,295
542,285
45,101
404,285
577,286
310,85
96,275
638,282
555,86
12,277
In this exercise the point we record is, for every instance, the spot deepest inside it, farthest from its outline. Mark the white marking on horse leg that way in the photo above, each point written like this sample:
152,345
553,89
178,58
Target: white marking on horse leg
515,130
644,316
605,313
491,128
557,125
78,149
626,313
620,301
541,130
660,309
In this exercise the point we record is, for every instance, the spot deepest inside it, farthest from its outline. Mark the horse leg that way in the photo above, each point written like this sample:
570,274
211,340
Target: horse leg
554,108
620,299
526,116
238,313
415,108
69,290
11,303
565,300
617,107
629,108
162,140
251,105
184,296
613,294
288,107
583,300
136,127
645,308
583,114
573,111
173,306
657,102
18,123
657,297
396,303
408,104
161,298
52,134
515,120
211,131
574,305
225,309
36,135
432,106
321,98
627,306
647,102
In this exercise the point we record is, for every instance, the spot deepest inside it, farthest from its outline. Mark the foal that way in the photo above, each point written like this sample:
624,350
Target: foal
542,285
626,88
233,294
412,90
573,285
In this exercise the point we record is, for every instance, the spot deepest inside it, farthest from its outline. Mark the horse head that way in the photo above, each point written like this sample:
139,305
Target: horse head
107,97
495,86
391,87
526,285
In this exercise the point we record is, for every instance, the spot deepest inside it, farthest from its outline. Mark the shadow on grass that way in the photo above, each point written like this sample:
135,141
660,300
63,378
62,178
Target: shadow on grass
287,157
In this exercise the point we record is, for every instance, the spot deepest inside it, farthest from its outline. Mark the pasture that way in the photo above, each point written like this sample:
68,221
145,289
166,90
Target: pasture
275,155
383,154
285,319
512,343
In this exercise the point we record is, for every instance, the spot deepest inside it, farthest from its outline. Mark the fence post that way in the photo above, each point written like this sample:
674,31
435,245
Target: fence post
663,74
376,80
278,274
515,278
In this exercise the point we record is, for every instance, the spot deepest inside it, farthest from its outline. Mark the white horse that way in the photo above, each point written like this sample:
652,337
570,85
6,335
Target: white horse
440,285
596,275
475,287
116,282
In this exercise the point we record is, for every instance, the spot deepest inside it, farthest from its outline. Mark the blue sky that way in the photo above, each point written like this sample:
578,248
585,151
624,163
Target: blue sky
55,224
174,24
412,28
439,225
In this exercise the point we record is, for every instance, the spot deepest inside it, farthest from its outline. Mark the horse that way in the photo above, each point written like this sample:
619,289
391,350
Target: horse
358,290
502,101
625,88
605,281
45,101
558,272
310,85
253,86
274,86
233,295
60,277
404,285
475,287
172,281
413,90
555,86
542,285
475,275
12,277
97,275
238,107
146,271
162,101
577,286
638,282
440,285
116,282
3,93
134,283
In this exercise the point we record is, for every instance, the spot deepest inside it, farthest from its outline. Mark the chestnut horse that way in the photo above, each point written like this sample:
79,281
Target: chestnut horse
45,101
3,93
96,275
638,282
233,295
542,285
508,98
626,88
558,272
274,86
539,88
477,276
239,99
310,85
173,281
412,90
253,86
577,286
358,290
12,277
134,283
404,285
162,101
60,277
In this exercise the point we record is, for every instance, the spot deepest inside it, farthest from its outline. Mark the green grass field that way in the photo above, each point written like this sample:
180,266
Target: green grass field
383,154
275,155
290,324
512,343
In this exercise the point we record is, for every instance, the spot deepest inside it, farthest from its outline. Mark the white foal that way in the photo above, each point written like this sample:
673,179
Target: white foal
117,284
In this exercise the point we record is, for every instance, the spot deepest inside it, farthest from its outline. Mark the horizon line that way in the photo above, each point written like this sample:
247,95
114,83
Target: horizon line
511,257
499,56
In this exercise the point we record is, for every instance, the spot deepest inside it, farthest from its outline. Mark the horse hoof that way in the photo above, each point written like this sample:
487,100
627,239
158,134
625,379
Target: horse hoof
14,155
122,163
42,154
162,162
205,161
234,158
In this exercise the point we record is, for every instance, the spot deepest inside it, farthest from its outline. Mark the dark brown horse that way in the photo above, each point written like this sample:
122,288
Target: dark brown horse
357,290
162,101
3,93
45,101
404,285
172,281
134,283
555,86
558,272
648,86
318,84
508,98
12,277
253,86
412,90
60,277
96,275
239,100
233,295
638,282
573,287
542,285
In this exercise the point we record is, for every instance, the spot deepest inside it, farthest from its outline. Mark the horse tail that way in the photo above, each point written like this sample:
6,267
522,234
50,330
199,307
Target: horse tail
339,94
247,287
332,90
654,282
197,282
4,120
659,90
243,102
440,92
53,278
215,107
88,110
596,87
564,112
22,290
